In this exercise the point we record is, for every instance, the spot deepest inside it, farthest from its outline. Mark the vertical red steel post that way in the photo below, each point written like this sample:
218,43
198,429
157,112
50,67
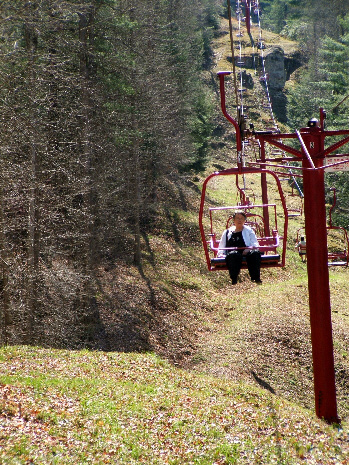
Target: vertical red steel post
248,16
264,191
318,278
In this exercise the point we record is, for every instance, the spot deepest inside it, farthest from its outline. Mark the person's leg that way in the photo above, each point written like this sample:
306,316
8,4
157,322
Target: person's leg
233,261
253,260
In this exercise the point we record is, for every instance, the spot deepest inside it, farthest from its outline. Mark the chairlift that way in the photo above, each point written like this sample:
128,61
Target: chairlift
296,211
241,193
271,244
261,217
339,257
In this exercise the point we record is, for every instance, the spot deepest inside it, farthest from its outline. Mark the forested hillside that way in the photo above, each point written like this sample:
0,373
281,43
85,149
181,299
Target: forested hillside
109,117
103,106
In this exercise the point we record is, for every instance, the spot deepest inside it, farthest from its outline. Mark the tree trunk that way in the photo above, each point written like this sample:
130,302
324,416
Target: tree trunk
4,267
31,40
86,73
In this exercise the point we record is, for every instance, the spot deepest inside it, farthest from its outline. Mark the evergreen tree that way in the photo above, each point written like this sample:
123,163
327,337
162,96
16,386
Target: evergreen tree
102,105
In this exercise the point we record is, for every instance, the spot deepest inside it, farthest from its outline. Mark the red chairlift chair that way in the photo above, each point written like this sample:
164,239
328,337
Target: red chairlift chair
292,212
341,257
338,257
271,243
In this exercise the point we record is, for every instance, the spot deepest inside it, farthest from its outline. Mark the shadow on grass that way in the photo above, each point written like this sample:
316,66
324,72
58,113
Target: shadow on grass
262,383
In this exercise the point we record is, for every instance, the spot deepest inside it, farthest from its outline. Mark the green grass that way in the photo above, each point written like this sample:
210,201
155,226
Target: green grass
65,407
87,407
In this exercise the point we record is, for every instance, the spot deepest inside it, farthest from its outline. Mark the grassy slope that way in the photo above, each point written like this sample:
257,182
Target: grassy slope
79,407
239,385
244,395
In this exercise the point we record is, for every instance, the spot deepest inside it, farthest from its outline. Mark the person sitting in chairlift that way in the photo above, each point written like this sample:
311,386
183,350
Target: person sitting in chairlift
302,249
241,236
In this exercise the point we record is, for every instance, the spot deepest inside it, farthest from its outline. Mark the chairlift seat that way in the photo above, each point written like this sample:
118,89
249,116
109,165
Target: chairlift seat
294,212
265,260
338,263
338,258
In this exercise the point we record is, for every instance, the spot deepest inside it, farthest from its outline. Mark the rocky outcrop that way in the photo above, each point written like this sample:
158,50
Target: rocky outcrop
293,62
274,62
278,67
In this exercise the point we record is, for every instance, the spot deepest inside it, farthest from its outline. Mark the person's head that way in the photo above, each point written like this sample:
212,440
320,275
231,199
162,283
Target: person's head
239,217
239,213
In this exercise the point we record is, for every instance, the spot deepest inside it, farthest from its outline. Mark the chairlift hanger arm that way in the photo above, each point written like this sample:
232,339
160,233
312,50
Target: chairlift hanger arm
240,190
221,75
232,52
332,206
248,18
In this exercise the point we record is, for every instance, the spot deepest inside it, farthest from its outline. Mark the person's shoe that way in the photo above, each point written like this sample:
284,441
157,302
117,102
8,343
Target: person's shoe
234,281
258,281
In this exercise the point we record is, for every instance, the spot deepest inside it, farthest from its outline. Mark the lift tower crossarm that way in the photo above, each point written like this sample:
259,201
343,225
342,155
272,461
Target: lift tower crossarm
304,147
274,139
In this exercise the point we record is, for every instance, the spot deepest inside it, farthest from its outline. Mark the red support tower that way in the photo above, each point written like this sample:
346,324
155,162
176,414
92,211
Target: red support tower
318,276
312,155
